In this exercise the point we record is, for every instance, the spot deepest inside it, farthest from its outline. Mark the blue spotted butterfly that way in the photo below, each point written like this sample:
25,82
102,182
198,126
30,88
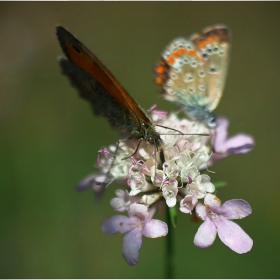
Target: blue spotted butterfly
192,72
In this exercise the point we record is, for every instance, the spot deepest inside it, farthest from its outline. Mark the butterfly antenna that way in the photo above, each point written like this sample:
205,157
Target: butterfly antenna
181,133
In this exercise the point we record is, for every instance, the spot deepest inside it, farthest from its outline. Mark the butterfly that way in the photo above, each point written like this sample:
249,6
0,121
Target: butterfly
105,94
192,72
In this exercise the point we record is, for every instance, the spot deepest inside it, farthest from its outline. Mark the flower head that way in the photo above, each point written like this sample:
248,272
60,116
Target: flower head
174,173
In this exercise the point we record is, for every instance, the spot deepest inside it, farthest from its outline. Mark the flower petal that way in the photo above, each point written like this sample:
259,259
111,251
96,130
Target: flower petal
187,172
155,229
170,168
139,211
87,182
233,236
239,144
119,170
169,192
188,203
206,234
184,161
200,210
221,133
194,189
235,209
171,152
118,204
150,198
212,201
171,202
97,181
206,184
131,245
200,158
117,223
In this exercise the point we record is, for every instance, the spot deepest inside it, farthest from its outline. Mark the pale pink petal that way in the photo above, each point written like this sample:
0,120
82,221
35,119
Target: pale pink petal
131,245
200,210
239,144
97,181
235,209
117,223
188,203
155,228
138,210
206,234
87,182
212,201
221,133
233,236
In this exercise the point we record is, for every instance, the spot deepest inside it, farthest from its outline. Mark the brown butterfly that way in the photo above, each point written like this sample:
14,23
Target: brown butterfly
98,86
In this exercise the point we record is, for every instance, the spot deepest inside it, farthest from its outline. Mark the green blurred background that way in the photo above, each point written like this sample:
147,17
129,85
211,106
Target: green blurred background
49,137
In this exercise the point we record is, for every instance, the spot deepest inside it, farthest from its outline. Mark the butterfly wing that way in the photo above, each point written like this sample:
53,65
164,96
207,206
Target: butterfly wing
97,85
214,46
192,72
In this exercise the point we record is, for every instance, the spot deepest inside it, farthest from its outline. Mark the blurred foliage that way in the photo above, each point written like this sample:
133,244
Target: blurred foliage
49,137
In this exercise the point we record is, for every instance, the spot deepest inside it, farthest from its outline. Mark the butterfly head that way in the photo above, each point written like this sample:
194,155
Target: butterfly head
151,136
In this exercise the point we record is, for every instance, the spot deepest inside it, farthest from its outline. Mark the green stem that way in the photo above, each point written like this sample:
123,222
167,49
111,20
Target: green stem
169,266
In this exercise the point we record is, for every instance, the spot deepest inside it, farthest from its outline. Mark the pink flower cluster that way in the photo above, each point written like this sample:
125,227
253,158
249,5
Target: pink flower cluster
174,174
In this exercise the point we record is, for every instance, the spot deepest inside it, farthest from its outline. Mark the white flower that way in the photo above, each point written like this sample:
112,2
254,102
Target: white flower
139,184
169,192
170,169
200,186
188,203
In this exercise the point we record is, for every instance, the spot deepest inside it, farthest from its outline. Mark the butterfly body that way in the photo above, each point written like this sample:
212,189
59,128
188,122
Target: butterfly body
192,73
99,87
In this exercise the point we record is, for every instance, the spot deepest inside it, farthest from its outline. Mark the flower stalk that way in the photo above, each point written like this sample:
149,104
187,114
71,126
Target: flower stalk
170,244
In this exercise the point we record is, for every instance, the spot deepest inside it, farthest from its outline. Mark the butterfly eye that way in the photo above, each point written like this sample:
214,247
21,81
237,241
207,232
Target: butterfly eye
151,140
211,122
